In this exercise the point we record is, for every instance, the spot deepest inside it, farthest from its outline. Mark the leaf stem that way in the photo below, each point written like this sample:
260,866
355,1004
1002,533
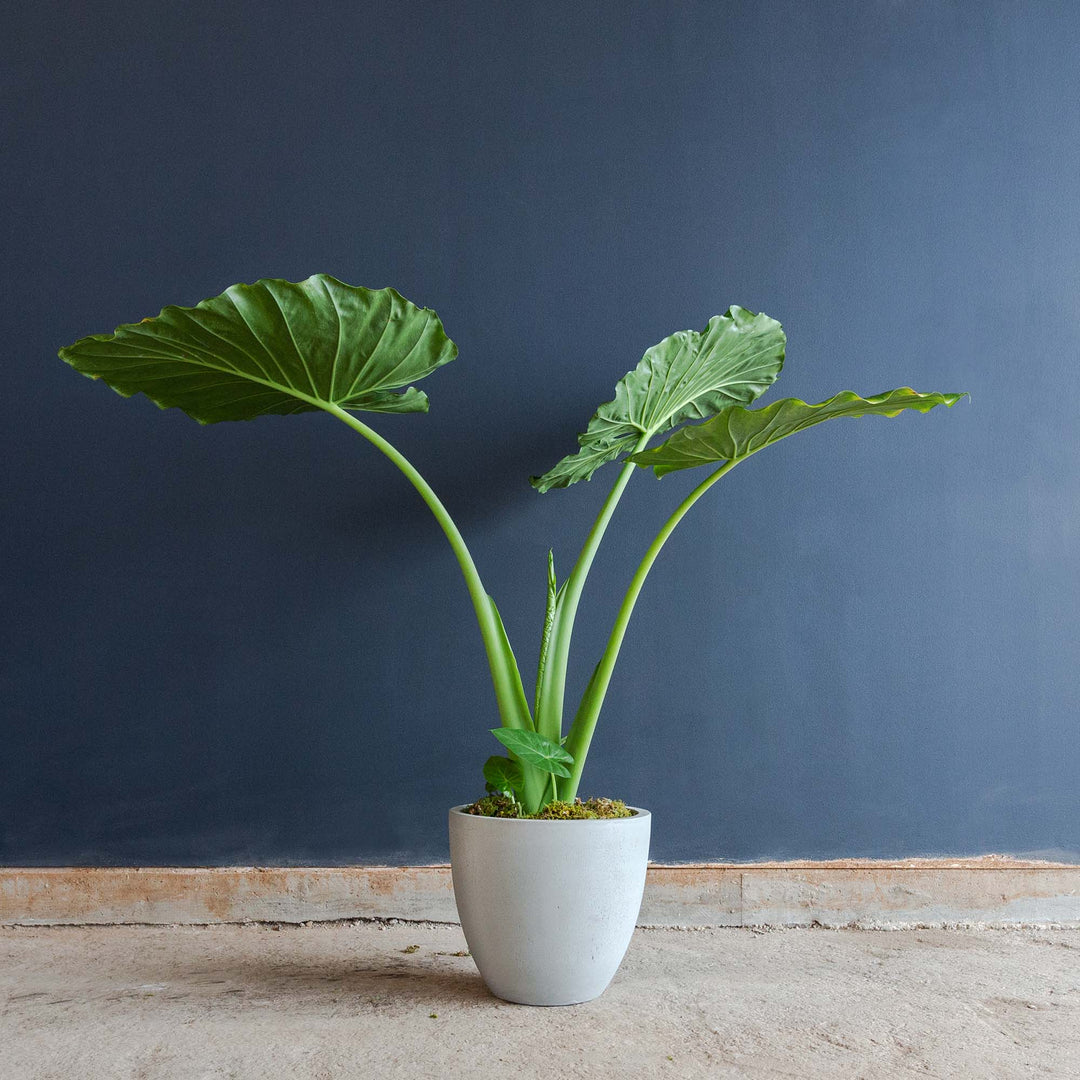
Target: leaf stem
581,732
553,679
513,707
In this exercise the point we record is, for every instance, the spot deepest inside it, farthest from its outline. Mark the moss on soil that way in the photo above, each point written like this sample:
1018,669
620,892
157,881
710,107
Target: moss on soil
589,809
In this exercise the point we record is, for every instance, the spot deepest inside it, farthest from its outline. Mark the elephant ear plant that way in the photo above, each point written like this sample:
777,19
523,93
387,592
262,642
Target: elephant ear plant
289,347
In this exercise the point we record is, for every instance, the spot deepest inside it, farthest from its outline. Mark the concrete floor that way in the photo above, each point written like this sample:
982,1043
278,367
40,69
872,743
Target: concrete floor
352,1000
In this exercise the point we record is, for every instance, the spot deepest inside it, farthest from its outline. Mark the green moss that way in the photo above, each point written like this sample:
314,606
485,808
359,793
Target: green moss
493,806
589,809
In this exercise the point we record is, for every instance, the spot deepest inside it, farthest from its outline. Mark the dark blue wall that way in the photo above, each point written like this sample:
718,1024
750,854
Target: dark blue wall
249,642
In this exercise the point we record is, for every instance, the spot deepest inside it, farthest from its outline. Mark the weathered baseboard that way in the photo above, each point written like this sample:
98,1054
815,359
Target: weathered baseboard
929,892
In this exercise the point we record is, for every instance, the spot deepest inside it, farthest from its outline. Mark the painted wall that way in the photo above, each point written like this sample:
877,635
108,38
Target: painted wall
248,642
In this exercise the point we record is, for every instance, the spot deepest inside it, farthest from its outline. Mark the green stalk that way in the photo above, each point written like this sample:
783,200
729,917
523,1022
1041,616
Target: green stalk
581,732
505,677
552,688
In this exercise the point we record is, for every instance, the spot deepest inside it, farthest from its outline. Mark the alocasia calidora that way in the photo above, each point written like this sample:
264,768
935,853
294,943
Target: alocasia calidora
286,347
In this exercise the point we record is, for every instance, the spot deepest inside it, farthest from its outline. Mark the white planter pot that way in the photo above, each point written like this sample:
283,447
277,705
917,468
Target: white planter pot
548,907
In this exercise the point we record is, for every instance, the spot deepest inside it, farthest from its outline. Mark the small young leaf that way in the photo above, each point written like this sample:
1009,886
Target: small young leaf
534,749
502,774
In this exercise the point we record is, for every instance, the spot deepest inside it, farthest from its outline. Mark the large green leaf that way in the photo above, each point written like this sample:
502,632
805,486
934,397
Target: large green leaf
738,432
535,750
274,347
687,376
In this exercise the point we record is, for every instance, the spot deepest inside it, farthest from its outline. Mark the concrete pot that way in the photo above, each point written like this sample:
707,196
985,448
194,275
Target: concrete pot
548,907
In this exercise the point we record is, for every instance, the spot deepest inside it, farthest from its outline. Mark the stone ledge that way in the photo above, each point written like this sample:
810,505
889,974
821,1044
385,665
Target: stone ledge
922,892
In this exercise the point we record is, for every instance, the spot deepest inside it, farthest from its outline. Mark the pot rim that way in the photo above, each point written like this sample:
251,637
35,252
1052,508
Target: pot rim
639,814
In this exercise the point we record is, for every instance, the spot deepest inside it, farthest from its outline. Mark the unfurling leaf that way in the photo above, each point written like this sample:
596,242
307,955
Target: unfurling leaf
687,376
510,683
274,347
535,750
553,591
737,432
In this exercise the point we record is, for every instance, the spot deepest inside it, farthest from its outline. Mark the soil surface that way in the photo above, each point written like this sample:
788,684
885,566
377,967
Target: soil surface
502,806
398,1001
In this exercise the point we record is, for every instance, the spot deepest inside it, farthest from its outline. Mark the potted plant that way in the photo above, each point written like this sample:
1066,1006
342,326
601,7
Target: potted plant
547,901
